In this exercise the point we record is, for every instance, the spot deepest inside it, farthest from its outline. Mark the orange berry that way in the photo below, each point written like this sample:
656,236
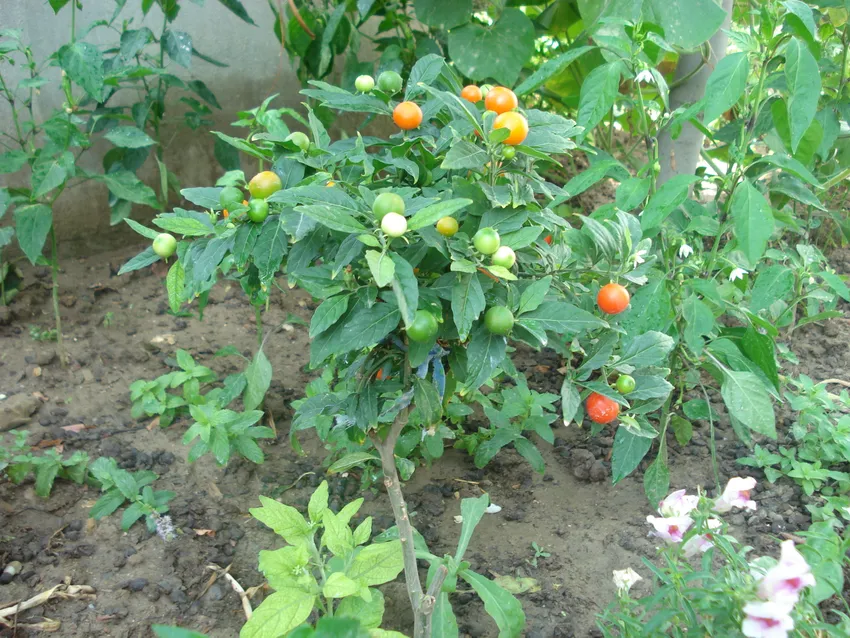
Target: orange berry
516,124
613,298
471,93
407,116
601,409
501,100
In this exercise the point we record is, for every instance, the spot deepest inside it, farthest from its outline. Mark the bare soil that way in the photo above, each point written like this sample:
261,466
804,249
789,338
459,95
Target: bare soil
573,512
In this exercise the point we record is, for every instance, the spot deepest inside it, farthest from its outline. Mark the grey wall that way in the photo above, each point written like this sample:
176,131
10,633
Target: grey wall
257,68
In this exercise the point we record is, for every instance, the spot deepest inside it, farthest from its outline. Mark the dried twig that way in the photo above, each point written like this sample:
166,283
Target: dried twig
300,20
63,590
234,584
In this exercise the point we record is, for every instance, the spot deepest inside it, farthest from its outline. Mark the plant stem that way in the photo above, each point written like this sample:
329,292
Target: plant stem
258,318
73,21
54,259
421,611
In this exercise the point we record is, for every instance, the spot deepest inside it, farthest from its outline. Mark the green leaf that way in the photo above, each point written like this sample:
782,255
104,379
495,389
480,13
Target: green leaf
12,161
45,474
772,284
327,314
462,154
483,355
318,502
431,214
498,51
666,199
699,322
790,165
338,585
192,225
530,453
270,248
443,621
836,283
142,260
361,328
534,294
427,400
629,450
287,566
334,217
472,510
650,308
443,14
377,564
802,77
129,137
57,5
753,220
425,72
405,288
467,302
144,231
570,400
349,461
32,225
501,605
131,515
51,173
370,614
238,10
686,23
599,90
597,171
83,63
382,267
337,536
647,349
174,283
656,480
283,520
726,85
550,68
632,192
205,197
125,185
562,318
107,504
279,613
760,349
746,398
258,375
178,46
683,429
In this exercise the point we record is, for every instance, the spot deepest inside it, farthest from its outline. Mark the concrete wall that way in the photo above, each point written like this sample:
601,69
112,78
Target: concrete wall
257,68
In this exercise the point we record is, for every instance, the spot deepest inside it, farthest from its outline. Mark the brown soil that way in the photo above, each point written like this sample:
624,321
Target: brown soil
573,512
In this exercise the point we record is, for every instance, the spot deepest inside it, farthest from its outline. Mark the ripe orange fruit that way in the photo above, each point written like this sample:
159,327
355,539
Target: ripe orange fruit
601,409
471,93
516,124
613,298
548,239
501,100
407,116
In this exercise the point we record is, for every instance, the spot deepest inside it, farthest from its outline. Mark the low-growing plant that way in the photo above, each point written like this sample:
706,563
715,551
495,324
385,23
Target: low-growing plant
818,449
19,461
727,592
325,567
121,487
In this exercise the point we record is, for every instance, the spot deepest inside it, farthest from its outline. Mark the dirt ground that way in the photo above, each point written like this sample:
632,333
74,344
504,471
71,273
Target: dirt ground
573,512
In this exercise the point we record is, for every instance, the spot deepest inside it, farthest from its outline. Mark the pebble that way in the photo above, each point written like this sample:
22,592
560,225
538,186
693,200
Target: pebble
178,597
136,584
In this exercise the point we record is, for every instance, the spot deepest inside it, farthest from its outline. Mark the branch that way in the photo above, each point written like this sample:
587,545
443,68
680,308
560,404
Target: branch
430,600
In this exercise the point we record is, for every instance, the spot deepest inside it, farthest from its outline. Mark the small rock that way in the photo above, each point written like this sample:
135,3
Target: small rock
17,410
598,472
178,597
136,584
215,592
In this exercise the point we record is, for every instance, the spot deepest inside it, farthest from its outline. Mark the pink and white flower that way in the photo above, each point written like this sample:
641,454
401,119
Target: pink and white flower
784,582
671,529
678,504
736,494
767,620
702,542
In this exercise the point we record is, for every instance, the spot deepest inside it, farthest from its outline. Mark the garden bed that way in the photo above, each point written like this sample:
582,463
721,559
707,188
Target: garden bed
117,331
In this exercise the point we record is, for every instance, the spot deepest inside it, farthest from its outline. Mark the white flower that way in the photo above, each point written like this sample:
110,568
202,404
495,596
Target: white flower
645,76
736,494
492,508
637,258
624,579
678,504
767,620
737,273
685,251
459,519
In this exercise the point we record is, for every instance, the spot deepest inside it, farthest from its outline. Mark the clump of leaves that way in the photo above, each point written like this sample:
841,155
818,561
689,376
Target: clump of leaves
122,487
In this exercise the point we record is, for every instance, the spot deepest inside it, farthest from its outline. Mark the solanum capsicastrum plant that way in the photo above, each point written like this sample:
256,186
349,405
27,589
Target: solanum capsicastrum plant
434,254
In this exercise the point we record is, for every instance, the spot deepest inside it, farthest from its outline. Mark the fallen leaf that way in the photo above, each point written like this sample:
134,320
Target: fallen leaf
36,371
45,443
153,425
77,427
40,397
518,585
168,339
205,532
